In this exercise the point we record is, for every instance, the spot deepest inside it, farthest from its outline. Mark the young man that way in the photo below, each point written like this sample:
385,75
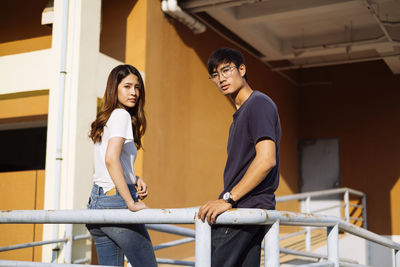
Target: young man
251,173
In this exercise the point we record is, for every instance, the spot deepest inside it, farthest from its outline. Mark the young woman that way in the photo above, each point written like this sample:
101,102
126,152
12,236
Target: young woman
116,134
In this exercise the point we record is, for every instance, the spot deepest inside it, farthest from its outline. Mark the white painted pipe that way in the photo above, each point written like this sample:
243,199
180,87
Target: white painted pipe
203,243
380,24
7,263
333,244
172,8
271,249
61,88
308,229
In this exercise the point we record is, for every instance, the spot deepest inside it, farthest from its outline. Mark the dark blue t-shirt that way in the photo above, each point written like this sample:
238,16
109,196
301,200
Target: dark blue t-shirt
257,119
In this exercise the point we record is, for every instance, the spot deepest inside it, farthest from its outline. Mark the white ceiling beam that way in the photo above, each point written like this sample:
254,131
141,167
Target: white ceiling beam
335,50
263,41
392,62
272,10
300,43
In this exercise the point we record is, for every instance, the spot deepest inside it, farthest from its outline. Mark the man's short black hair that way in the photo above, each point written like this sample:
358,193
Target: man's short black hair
224,55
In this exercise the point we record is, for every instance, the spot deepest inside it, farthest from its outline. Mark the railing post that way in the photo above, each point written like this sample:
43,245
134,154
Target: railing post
346,206
333,244
396,258
203,244
364,211
308,228
68,244
271,246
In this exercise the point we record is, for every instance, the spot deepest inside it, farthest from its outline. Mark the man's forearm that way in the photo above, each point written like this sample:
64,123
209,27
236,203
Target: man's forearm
262,164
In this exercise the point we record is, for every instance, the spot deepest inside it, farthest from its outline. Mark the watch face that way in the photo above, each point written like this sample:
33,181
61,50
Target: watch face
226,196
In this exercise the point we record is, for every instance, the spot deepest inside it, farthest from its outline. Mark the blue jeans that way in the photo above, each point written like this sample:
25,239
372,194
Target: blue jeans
237,245
115,241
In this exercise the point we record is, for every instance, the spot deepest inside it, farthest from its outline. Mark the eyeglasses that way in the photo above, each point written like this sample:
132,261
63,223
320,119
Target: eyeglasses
224,72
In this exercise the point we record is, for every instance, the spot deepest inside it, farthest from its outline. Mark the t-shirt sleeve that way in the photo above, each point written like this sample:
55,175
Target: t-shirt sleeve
120,125
262,120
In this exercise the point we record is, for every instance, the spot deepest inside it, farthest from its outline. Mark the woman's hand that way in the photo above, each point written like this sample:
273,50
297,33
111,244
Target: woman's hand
136,206
142,189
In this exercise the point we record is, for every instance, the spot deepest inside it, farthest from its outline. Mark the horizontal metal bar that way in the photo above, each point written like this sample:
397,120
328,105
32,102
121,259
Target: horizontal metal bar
356,219
80,237
111,216
327,208
302,253
363,233
312,255
6,263
292,235
173,243
32,244
345,264
175,262
355,205
185,216
85,260
172,229
318,194
318,264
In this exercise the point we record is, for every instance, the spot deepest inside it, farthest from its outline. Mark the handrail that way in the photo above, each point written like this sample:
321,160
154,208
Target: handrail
159,220
312,255
32,244
188,216
9,263
320,193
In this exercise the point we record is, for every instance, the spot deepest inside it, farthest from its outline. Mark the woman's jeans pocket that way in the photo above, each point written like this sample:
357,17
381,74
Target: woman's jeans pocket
99,200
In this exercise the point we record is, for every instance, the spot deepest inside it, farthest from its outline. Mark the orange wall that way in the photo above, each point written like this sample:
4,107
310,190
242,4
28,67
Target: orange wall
185,145
114,16
362,109
24,107
21,190
21,29
34,103
188,119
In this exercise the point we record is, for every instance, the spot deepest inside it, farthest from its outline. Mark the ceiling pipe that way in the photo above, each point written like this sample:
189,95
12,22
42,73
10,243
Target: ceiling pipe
202,5
299,50
171,8
380,23
335,62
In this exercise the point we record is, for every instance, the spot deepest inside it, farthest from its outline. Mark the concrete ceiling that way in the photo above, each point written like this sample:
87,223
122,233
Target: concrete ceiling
292,34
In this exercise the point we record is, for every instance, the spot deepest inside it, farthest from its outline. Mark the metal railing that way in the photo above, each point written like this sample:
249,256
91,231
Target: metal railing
306,199
203,230
330,192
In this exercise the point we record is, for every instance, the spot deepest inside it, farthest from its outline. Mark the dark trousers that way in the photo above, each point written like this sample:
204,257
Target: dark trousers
237,245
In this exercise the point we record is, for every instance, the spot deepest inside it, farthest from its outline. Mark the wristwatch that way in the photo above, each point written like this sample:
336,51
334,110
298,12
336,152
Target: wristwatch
227,197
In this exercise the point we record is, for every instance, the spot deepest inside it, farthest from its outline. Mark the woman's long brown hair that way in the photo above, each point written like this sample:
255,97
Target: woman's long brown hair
110,102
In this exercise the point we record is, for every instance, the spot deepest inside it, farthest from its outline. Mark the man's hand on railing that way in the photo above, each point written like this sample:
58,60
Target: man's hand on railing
212,209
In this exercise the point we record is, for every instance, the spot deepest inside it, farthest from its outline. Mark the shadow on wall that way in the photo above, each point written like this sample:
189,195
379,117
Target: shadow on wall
363,112
114,15
263,79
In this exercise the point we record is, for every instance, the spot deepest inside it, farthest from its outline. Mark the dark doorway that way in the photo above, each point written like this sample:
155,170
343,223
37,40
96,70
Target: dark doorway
23,149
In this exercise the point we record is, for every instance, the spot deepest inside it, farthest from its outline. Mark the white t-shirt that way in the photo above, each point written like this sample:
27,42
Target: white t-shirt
118,125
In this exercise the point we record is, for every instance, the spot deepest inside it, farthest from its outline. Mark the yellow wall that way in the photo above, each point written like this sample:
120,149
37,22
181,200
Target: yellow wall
361,108
22,190
24,104
21,29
